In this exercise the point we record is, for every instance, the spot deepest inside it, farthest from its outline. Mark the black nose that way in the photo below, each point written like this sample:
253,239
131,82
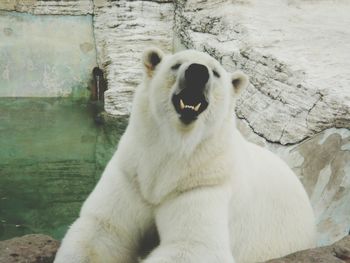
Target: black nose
196,75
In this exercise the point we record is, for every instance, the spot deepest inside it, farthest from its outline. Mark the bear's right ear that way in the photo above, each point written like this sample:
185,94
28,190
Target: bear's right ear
151,58
239,81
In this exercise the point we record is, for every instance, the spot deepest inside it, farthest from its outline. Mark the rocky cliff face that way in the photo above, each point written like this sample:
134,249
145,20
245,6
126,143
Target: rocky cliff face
299,80
123,30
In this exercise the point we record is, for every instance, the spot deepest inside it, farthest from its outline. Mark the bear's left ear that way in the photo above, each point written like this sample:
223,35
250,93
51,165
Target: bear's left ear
151,58
239,81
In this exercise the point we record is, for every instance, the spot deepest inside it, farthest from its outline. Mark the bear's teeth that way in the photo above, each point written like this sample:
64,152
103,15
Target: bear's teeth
197,107
189,107
182,105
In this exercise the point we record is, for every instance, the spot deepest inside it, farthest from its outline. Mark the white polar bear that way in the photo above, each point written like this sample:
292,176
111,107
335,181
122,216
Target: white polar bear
182,170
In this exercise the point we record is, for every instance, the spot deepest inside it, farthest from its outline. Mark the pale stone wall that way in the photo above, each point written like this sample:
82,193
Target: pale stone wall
123,30
299,86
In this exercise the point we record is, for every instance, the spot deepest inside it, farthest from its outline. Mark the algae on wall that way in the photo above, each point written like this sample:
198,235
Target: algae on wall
53,150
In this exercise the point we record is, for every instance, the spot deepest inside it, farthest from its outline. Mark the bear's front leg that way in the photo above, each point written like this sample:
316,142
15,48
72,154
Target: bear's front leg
193,228
111,223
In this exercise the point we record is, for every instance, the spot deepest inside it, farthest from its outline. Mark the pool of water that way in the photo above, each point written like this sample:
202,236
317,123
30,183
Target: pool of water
52,152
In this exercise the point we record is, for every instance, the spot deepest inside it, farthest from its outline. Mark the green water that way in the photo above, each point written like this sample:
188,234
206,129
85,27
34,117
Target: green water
52,152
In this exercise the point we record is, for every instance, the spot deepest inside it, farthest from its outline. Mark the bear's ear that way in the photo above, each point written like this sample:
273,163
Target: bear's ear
151,58
239,81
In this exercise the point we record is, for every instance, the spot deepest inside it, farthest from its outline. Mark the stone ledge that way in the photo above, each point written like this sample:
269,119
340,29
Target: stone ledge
339,252
39,248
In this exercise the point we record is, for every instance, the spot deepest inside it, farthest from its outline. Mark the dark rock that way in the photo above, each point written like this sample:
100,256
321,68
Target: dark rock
339,252
42,249
34,248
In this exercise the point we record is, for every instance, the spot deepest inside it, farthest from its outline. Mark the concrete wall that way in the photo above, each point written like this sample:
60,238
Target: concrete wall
45,55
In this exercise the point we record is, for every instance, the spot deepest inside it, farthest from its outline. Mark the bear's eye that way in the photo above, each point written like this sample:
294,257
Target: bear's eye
216,74
176,66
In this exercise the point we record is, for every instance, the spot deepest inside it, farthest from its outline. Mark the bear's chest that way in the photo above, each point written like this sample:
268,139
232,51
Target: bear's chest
159,175
166,175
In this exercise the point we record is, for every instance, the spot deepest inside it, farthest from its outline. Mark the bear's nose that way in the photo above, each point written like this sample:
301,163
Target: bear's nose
196,75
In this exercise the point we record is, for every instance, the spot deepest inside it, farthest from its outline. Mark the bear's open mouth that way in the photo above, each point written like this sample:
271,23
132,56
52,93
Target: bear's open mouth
189,108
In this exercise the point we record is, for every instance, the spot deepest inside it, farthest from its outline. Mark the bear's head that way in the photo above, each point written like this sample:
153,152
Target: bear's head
190,89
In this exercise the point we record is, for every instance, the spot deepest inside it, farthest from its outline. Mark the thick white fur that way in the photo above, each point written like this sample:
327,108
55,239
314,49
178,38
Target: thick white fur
213,196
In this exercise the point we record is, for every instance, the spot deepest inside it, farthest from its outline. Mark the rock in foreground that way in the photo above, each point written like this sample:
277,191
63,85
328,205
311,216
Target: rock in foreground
42,249
339,252
28,249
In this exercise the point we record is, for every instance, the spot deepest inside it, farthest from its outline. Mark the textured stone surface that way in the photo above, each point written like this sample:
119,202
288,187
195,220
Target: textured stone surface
298,66
339,252
28,249
62,7
37,61
299,87
123,29
42,249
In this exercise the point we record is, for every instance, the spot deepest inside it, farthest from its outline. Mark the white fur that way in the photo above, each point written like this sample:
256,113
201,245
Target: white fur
213,196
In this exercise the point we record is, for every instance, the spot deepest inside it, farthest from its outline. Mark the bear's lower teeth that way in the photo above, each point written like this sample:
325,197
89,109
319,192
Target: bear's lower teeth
197,107
184,106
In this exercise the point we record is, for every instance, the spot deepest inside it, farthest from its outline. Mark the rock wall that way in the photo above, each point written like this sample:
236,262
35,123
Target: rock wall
123,29
289,100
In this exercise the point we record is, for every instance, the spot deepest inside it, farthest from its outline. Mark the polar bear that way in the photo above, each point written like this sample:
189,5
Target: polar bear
183,171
